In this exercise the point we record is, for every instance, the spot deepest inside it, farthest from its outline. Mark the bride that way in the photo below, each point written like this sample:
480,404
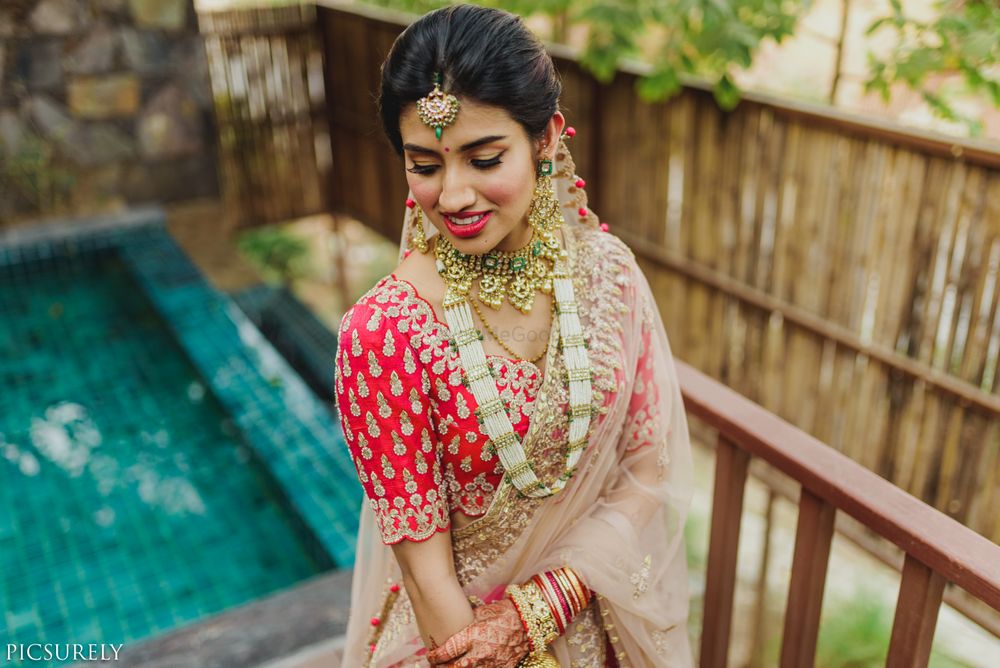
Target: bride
508,393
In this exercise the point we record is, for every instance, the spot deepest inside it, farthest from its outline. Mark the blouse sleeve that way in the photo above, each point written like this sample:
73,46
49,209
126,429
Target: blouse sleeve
387,421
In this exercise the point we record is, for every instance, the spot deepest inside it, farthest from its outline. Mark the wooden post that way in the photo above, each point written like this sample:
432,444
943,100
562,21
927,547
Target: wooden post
813,537
920,592
731,464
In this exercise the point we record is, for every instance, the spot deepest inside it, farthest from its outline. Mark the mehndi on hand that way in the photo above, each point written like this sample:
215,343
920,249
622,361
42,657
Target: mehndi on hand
496,639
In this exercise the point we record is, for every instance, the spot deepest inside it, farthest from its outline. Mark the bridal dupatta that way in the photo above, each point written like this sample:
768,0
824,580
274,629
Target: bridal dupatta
619,522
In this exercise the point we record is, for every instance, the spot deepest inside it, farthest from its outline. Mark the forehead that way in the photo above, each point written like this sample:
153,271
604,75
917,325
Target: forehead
474,120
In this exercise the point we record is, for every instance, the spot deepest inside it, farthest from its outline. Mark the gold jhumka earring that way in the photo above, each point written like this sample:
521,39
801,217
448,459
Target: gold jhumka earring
417,238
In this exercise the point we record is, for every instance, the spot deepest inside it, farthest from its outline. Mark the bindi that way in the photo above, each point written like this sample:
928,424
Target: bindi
446,149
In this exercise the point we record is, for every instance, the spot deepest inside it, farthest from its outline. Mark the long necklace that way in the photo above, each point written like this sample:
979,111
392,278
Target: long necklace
491,412
499,340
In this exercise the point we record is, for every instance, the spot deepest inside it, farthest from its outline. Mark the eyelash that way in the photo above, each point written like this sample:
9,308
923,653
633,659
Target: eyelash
478,164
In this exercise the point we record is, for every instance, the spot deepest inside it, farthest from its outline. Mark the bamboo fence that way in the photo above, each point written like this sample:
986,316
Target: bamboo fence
266,70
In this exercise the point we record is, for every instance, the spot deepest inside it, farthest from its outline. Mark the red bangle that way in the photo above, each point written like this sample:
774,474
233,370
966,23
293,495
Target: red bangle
567,606
567,587
556,607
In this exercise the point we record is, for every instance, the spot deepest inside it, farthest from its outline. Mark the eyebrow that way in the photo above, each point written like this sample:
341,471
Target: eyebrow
464,147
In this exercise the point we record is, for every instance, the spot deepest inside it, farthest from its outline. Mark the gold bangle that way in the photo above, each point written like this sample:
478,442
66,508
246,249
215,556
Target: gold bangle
568,591
536,614
581,590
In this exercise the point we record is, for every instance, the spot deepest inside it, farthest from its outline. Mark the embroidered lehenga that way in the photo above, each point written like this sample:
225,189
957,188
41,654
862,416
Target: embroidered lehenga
419,452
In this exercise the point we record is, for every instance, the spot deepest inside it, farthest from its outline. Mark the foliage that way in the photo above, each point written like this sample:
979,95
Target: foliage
703,38
855,633
710,39
963,40
275,251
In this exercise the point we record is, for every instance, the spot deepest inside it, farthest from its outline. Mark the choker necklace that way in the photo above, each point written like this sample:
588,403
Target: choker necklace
514,276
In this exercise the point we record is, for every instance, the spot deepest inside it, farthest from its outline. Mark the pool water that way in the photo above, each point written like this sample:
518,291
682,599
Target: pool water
129,503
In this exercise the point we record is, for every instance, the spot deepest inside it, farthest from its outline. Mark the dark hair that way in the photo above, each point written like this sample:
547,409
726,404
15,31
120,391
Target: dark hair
488,55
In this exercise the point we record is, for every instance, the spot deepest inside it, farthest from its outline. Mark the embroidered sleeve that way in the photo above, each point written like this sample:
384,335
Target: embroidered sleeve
645,425
387,421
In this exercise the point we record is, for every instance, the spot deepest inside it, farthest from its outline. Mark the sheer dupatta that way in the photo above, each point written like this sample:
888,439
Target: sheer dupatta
619,523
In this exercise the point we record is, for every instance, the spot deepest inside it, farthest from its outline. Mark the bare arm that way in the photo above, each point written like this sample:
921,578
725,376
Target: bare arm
439,604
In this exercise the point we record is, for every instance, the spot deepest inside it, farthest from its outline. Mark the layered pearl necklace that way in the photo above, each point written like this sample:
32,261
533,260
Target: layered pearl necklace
458,271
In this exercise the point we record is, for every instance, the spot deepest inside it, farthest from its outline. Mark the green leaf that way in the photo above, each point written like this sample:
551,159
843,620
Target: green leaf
876,24
727,94
658,85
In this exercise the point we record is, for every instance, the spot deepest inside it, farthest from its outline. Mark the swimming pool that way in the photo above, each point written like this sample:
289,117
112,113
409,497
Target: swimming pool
159,460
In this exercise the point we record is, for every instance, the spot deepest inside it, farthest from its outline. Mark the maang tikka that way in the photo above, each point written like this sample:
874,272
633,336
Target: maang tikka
438,109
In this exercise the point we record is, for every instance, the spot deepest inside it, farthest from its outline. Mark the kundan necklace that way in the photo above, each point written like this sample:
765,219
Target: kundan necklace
516,275
511,275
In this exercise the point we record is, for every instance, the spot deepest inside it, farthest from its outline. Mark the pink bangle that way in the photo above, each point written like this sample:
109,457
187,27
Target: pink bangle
567,606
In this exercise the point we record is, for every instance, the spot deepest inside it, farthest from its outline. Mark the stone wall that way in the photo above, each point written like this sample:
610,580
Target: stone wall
103,103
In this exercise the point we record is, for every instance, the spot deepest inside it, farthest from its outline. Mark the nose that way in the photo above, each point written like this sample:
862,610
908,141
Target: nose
456,192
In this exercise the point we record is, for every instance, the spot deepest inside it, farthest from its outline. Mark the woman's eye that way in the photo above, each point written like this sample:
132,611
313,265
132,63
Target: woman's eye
486,164
478,164
422,169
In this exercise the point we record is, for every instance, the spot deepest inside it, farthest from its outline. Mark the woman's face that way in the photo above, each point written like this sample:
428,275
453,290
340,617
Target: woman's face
475,184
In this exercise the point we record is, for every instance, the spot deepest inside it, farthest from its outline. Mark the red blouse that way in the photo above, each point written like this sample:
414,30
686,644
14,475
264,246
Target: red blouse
409,422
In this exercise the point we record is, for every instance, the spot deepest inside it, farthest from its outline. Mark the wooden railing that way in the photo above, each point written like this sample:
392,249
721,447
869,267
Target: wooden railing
937,548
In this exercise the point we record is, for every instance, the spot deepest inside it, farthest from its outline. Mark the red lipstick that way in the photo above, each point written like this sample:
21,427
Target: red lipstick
467,230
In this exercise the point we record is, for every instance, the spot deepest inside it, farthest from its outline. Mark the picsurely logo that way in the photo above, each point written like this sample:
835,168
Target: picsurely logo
63,651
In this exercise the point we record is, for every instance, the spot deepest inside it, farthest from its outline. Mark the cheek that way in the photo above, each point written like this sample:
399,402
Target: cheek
425,192
510,189
502,193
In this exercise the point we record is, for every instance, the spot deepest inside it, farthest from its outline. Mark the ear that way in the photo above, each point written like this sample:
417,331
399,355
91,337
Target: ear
554,129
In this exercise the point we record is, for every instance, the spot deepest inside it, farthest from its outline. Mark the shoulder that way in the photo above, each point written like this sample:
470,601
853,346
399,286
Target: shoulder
604,256
391,310
362,316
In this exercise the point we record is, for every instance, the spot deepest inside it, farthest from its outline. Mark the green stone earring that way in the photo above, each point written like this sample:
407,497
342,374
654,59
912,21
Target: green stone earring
545,167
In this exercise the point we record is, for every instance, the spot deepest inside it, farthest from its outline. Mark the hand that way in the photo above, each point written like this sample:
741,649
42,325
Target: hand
495,640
